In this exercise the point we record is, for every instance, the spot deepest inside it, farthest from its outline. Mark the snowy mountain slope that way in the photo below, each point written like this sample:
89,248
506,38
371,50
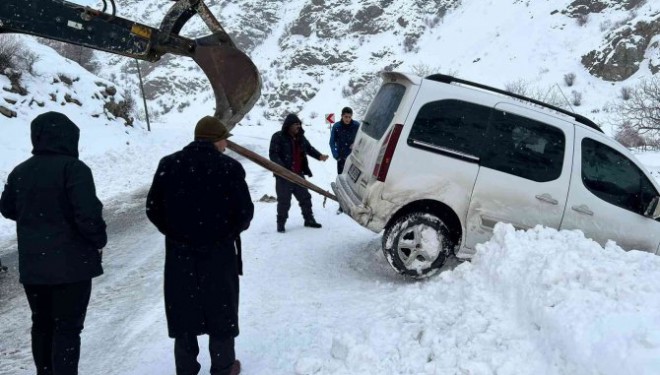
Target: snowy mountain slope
314,55
55,82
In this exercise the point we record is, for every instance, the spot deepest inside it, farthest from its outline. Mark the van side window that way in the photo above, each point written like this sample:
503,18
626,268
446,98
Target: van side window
382,110
452,125
524,147
612,177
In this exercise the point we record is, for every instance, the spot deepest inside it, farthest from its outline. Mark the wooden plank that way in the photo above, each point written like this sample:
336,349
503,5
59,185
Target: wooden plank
278,169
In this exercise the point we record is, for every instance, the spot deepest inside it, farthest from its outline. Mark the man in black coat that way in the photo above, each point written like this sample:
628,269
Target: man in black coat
60,233
199,200
289,148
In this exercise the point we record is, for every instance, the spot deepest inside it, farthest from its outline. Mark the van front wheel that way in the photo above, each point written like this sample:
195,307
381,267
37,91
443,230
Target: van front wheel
417,244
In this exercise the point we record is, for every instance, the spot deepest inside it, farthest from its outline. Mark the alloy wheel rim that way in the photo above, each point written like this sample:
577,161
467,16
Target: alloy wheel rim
419,246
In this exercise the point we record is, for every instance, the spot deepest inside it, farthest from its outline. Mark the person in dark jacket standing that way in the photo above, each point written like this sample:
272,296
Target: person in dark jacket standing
199,200
342,137
60,233
289,148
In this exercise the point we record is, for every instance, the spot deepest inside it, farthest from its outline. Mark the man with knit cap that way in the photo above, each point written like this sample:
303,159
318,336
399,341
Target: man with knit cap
289,148
199,200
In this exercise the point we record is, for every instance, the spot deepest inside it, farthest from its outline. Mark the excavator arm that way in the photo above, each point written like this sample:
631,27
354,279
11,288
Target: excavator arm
233,76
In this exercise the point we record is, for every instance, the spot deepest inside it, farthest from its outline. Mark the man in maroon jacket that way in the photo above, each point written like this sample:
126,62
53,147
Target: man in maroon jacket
289,148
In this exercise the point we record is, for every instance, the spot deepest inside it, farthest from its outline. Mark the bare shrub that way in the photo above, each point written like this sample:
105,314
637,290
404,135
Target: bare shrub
625,93
27,60
569,79
577,98
410,42
432,22
548,95
424,70
10,48
642,109
361,99
346,92
629,136
652,143
582,19
520,87
82,55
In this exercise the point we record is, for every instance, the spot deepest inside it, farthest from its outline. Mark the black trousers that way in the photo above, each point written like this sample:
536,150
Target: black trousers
58,317
186,349
284,189
340,165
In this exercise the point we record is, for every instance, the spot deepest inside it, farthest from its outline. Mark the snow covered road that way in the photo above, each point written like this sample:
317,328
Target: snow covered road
326,302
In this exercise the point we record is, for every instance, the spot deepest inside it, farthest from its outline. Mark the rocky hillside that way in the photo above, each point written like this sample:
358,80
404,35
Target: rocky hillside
628,42
42,80
315,56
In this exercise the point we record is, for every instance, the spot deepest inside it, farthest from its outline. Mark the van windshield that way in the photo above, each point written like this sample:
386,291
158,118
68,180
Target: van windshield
382,109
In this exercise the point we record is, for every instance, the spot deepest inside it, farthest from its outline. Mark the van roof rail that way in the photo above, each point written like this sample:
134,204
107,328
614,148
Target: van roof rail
579,118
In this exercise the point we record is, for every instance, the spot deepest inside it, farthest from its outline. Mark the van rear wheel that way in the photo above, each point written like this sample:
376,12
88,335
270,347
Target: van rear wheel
417,244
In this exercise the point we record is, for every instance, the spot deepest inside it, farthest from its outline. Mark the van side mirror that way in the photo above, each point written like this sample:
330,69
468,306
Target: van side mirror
653,209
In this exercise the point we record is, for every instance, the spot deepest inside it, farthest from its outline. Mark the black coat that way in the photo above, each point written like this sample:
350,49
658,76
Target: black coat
281,149
199,200
52,198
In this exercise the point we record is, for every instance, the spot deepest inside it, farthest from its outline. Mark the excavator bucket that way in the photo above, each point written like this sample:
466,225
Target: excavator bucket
233,76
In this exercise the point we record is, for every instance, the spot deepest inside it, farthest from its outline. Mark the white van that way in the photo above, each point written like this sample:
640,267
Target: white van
439,160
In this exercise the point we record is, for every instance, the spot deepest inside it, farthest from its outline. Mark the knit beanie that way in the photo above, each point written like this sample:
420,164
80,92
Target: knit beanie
210,128
347,110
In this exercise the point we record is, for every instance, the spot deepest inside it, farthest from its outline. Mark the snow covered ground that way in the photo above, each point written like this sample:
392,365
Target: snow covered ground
326,302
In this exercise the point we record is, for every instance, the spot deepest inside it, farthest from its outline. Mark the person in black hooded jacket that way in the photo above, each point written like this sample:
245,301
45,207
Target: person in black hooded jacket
289,148
60,233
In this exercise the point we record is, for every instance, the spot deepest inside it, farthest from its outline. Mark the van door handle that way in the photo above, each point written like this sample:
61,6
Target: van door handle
583,209
547,198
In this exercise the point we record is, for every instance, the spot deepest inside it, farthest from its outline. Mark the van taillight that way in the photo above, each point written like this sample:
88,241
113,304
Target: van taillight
386,153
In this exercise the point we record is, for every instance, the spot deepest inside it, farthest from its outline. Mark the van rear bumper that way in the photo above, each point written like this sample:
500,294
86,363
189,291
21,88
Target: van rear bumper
352,205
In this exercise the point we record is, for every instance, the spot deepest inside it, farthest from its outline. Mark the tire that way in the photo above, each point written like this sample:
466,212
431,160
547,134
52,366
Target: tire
417,244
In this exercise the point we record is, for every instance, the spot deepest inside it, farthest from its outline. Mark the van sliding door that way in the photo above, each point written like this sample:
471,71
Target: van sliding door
524,175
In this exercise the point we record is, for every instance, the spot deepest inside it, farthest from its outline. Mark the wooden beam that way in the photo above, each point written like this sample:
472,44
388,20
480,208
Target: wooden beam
278,169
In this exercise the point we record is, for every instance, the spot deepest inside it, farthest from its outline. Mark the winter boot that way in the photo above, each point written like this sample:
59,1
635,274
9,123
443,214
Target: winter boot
280,224
311,223
236,367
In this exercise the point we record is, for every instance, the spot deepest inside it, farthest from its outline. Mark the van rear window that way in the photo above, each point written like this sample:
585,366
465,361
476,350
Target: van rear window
382,109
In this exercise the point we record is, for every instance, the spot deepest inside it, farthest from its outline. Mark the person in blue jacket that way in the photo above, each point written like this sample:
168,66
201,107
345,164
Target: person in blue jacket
342,137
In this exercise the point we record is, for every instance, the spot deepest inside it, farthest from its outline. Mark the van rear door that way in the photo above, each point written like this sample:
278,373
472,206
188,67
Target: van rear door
382,113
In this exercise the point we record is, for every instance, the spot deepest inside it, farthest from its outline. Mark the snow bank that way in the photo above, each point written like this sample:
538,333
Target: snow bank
541,301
